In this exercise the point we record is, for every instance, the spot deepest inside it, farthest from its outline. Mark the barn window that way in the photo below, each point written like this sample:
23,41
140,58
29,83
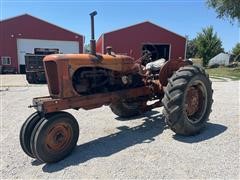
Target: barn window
6,60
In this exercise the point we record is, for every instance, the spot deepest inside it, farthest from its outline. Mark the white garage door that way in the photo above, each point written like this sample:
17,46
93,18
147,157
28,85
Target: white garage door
27,46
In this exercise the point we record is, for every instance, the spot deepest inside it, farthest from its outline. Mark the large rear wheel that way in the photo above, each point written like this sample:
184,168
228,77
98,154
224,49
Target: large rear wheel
188,100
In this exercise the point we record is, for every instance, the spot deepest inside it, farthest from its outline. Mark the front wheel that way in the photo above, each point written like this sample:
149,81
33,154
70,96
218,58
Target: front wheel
54,137
188,100
26,131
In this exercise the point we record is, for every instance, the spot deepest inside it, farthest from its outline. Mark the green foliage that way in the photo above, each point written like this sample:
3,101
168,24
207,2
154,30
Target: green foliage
236,49
87,48
191,48
208,44
226,8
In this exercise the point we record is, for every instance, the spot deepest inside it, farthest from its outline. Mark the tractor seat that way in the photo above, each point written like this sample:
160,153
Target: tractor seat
155,65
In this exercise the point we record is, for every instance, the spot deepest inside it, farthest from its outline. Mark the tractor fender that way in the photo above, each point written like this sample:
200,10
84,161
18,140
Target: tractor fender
169,68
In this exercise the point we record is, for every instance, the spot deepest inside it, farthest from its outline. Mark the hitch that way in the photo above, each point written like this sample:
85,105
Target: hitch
32,106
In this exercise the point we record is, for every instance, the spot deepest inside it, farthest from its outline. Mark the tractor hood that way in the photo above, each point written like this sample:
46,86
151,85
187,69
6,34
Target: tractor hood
119,63
60,68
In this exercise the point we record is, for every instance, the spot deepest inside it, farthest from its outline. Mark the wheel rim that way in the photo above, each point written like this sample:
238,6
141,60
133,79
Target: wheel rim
58,137
196,101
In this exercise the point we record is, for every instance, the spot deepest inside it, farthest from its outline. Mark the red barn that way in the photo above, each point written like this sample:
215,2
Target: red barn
134,39
23,34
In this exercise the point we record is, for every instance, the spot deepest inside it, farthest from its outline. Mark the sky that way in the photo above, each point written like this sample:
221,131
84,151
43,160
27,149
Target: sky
185,17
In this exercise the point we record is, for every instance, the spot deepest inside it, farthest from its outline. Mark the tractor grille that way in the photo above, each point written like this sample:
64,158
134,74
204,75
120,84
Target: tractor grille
52,76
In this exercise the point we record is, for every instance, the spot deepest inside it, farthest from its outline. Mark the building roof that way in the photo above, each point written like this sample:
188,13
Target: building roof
141,23
28,15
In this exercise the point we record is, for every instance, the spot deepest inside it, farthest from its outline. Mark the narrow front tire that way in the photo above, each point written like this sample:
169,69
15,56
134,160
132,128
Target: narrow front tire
55,137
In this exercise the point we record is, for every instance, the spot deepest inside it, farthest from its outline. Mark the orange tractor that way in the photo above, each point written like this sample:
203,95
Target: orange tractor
92,80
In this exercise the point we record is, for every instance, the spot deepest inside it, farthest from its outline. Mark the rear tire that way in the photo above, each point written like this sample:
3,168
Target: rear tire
126,109
188,100
54,137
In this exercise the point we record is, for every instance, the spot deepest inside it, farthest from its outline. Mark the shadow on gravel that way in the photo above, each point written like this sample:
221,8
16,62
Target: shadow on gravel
152,126
143,115
209,132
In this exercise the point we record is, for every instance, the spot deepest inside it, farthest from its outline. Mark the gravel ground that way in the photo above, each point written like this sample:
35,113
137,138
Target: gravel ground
109,147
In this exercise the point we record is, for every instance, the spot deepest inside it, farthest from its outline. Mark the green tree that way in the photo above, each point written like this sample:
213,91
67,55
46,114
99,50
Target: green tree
87,48
226,8
236,49
191,48
208,44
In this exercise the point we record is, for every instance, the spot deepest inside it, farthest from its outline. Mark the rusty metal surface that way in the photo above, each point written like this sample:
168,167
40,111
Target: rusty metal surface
47,104
192,100
117,63
169,68
58,137
65,65
60,69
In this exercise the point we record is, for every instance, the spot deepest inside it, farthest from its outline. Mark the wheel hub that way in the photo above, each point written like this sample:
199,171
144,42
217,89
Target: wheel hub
58,137
192,101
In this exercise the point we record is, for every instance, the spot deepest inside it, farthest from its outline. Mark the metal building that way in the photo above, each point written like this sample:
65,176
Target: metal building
134,39
22,34
221,59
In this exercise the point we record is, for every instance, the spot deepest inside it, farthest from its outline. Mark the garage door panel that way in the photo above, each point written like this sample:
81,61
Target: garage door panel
27,46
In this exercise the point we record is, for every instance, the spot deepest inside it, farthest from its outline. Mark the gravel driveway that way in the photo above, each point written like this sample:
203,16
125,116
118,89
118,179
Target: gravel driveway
142,147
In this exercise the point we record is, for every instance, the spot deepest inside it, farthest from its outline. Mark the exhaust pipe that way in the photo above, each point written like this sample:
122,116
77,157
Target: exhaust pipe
93,41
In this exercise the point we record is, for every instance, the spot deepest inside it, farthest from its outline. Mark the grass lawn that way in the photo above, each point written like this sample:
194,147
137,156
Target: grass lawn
197,61
217,73
231,73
